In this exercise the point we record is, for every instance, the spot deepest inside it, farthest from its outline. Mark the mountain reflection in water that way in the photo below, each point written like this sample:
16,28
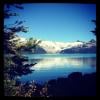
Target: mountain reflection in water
54,66
61,62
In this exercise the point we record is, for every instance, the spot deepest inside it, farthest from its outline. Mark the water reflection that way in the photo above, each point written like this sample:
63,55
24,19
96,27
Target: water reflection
52,67
50,63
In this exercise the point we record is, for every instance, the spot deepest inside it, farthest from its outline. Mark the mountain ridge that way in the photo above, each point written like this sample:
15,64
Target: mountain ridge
63,47
78,47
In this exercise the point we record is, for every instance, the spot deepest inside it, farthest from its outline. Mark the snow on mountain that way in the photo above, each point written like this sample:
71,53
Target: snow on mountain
78,46
59,47
56,47
86,47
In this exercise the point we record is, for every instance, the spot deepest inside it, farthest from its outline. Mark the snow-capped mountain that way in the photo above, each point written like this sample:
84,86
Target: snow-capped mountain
56,47
63,47
86,47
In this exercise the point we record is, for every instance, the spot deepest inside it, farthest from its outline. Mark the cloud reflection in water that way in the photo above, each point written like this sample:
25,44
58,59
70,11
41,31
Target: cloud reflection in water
49,63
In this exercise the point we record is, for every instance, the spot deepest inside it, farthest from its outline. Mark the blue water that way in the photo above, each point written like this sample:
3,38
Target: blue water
52,66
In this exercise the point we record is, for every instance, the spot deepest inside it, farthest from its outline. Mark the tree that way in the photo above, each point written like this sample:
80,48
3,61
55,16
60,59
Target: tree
32,43
11,30
13,65
95,30
10,48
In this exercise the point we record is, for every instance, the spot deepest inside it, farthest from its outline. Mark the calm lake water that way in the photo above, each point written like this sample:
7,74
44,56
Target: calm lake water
52,66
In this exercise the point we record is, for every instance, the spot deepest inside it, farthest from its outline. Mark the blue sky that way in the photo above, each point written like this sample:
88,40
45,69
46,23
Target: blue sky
57,21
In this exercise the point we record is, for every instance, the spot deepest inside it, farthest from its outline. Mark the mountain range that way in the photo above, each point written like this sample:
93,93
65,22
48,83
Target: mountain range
63,47
67,47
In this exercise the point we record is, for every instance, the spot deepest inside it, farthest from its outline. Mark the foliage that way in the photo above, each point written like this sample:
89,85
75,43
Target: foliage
32,43
9,87
11,30
13,60
10,47
7,11
95,30
8,63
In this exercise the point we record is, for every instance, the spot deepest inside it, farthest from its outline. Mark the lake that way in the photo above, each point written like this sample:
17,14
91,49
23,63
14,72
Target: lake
52,66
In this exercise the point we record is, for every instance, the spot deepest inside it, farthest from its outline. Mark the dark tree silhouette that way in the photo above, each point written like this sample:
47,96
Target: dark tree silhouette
95,30
11,30
13,60
11,67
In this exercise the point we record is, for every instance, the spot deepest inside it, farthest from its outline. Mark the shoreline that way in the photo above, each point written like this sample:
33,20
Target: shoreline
75,84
